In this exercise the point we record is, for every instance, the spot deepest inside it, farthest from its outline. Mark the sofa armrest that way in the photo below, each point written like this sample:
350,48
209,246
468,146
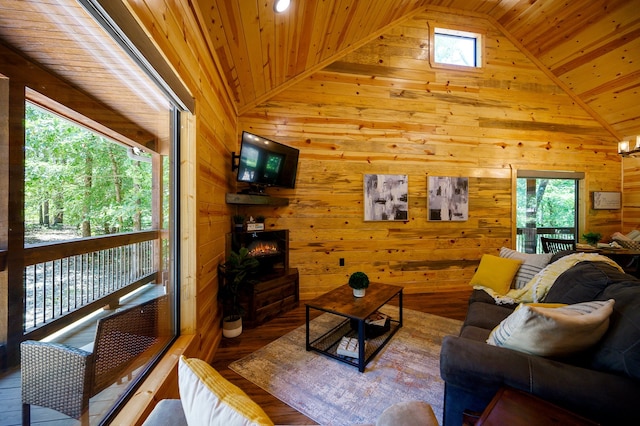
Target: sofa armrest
482,369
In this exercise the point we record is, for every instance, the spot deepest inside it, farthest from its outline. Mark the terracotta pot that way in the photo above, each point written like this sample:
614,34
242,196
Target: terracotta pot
231,328
359,292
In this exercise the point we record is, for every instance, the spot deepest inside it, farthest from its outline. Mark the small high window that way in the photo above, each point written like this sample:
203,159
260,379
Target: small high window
454,48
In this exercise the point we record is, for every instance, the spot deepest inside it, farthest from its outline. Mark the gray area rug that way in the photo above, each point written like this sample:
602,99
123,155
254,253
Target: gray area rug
333,393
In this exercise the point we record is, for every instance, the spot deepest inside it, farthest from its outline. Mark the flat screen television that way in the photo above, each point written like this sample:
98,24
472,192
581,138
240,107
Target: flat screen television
263,163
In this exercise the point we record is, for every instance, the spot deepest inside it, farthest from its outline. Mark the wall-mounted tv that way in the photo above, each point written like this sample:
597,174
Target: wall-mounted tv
263,162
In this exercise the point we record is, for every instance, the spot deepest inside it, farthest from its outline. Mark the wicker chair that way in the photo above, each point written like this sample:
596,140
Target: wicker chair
553,245
63,378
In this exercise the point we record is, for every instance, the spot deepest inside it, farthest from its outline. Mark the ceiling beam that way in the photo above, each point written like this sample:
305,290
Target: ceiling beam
78,106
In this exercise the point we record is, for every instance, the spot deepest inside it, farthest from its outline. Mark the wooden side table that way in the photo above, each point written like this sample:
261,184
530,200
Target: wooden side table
515,408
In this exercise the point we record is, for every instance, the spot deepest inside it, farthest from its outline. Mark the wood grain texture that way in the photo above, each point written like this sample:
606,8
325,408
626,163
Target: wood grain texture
349,84
206,157
588,46
62,39
630,194
383,109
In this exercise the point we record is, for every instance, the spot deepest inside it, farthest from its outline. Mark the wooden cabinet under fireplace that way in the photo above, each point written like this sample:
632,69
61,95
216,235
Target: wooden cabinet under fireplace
277,287
272,297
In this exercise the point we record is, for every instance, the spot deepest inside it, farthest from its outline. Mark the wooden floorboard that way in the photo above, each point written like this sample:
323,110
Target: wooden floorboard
78,336
449,304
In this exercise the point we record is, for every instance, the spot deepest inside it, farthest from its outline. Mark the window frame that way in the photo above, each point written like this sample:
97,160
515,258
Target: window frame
454,30
580,179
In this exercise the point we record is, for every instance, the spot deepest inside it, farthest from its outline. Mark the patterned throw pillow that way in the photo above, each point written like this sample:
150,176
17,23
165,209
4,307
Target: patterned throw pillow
531,265
553,331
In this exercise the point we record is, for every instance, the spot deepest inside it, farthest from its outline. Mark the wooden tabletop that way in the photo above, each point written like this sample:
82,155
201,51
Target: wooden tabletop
342,301
516,408
611,251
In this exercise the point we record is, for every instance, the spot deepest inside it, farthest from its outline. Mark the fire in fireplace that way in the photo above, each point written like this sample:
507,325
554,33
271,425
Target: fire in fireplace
263,248
270,248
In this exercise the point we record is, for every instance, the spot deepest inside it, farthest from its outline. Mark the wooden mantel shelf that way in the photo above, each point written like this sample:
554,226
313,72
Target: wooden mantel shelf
256,199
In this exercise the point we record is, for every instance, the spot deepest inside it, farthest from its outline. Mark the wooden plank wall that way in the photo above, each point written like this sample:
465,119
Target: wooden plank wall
383,109
630,194
209,136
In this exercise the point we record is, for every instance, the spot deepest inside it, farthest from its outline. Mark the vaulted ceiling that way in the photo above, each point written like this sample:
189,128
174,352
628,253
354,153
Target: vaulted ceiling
590,47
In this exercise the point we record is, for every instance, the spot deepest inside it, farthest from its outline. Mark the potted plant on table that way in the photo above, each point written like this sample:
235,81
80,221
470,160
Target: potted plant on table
237,271
238,222
592,238
359,282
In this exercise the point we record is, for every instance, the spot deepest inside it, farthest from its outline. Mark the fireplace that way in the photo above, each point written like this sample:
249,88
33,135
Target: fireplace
270,248
276,288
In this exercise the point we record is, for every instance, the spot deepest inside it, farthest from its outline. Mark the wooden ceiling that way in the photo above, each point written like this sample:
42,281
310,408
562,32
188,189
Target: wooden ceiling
61,37
589,46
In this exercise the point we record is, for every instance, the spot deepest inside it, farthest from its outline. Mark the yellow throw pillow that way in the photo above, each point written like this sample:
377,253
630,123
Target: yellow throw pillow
496,273
209,399
553,331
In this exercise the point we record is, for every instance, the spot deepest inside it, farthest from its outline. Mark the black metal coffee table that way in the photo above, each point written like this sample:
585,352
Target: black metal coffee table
354,311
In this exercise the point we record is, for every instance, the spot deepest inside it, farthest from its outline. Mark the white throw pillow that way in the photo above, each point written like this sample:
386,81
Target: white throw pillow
531,265
208,399
553,331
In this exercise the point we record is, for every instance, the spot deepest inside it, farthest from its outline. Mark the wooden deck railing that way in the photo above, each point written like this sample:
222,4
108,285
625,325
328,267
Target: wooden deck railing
64,281
528,239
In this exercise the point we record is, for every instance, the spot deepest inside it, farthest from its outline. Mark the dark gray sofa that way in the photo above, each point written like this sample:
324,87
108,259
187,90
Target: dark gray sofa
601,383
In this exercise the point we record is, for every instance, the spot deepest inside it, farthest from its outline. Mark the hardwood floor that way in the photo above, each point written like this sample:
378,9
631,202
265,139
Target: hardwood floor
449,304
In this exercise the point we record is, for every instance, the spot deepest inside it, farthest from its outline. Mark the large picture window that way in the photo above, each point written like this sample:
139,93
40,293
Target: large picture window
88,250
98,217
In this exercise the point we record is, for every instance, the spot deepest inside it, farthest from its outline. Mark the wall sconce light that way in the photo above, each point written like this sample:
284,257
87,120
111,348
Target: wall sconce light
281,5
629,148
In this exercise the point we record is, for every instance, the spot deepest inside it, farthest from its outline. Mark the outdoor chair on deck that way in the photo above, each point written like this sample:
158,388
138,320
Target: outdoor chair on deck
63,378
552,245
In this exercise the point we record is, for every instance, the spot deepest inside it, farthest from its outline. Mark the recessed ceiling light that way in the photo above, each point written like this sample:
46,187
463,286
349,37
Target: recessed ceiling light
281,5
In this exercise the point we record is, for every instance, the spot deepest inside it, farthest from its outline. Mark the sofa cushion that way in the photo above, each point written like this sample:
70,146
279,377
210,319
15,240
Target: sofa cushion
481,296
619,349
531,265
209,399
583,282
556,331
485,315
475,333
495,273
167,412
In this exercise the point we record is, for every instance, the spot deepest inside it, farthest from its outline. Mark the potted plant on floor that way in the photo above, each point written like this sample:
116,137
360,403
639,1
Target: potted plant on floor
359,282
237,272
